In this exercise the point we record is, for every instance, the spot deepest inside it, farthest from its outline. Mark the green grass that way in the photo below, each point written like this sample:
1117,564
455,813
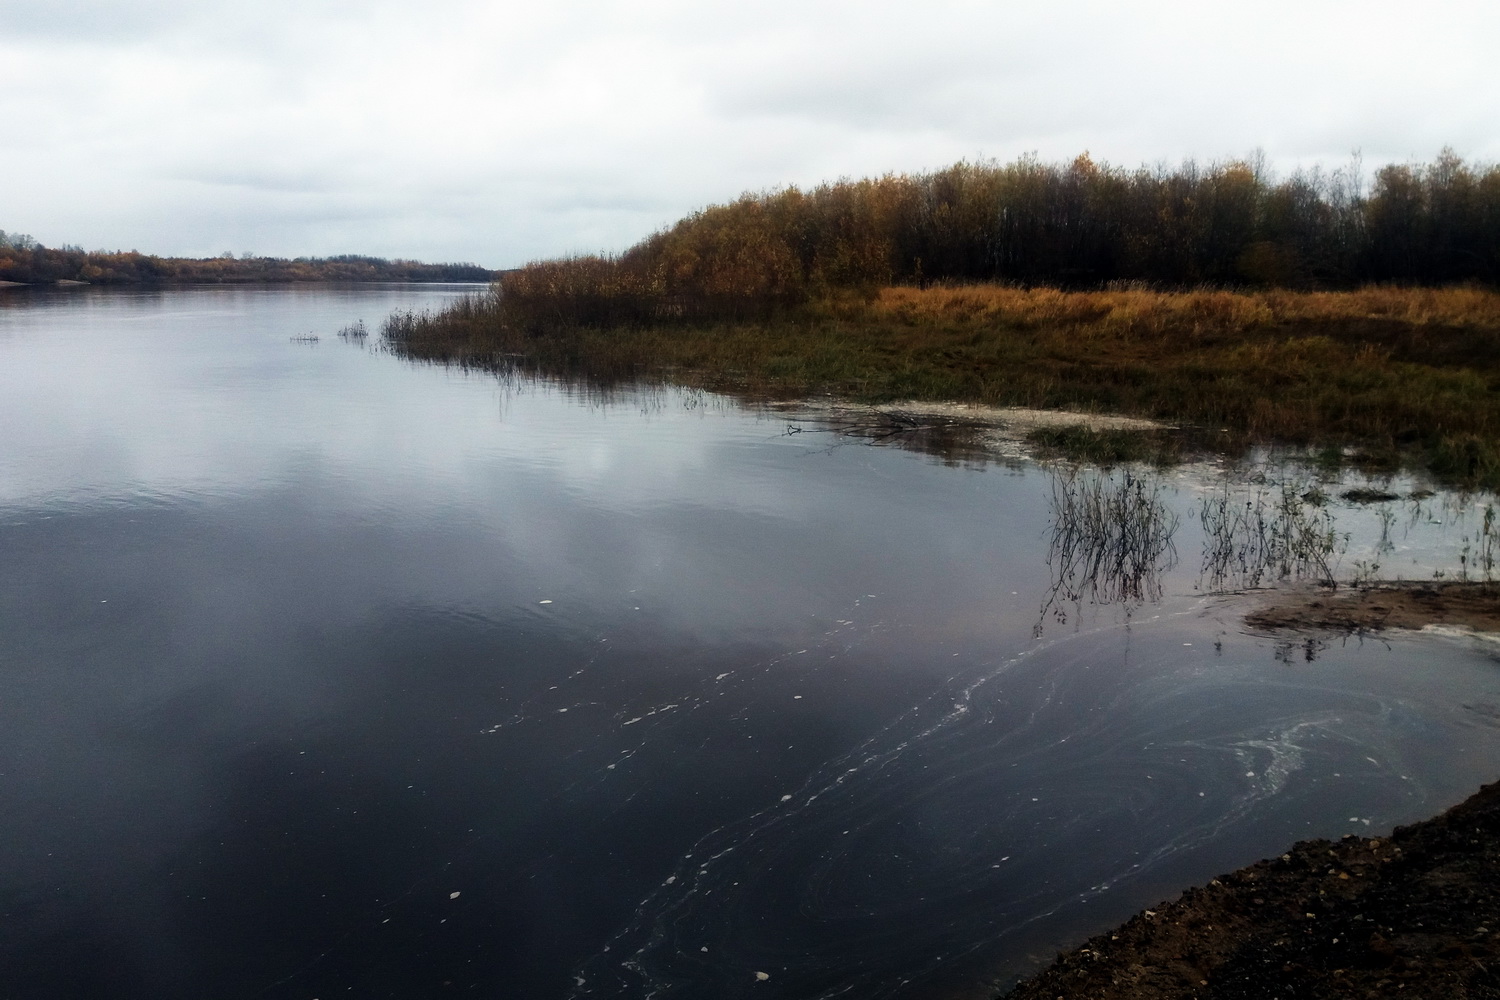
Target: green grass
1108,447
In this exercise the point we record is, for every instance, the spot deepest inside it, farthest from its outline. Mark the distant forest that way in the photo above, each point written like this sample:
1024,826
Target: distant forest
23,259
1078,225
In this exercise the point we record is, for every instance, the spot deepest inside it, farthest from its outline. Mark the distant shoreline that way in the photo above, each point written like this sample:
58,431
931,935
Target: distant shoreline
66,283
23,261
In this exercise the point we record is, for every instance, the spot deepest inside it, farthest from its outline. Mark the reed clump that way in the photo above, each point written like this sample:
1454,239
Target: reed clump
1282,532
1111,541
1108,447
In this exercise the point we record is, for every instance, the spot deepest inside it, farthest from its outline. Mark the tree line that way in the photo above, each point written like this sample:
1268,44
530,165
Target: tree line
1077,225
24,260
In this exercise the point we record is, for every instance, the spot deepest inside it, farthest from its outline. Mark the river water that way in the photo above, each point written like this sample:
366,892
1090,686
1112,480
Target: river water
326,674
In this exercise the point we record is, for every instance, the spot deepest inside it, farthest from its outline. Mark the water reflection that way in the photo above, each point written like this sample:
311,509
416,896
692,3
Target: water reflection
1111,540
1113,535
1301,650
1279,532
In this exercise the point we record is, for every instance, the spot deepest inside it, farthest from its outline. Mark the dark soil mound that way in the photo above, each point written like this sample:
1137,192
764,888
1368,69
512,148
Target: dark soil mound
1416,914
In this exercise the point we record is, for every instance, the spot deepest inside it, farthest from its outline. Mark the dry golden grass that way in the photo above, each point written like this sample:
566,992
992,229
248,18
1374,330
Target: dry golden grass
1206,311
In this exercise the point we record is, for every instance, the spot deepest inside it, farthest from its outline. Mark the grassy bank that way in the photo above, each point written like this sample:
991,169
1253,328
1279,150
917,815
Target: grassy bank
1400,375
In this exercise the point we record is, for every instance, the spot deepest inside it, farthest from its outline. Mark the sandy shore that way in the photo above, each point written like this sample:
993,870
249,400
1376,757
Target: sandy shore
1017,420
957,430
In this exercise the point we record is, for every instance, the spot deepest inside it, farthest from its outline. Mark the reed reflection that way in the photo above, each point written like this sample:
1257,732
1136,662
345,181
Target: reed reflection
1280,532
1112,541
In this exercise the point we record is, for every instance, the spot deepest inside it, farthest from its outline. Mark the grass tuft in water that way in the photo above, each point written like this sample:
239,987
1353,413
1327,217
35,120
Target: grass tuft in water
355,332
1109,447
1111,541
1369,494
1277,534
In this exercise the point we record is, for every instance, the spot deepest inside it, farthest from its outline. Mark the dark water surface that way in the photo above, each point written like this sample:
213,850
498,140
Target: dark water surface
326,675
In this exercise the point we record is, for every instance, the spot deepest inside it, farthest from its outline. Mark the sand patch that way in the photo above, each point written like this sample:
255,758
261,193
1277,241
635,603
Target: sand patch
1413,605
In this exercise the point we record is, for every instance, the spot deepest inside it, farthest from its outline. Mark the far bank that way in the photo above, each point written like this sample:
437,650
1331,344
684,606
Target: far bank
1380,376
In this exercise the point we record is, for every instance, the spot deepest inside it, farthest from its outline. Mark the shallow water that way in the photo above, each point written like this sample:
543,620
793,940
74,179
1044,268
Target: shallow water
325,674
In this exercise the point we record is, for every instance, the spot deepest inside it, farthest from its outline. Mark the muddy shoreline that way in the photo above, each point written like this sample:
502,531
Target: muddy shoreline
1415,914
1395,604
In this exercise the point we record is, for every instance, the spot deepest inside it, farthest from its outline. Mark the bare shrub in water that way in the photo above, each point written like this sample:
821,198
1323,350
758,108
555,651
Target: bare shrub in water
1111,540
1278,533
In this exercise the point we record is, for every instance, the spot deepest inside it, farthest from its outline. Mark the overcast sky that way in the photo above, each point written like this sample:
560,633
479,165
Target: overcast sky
497,132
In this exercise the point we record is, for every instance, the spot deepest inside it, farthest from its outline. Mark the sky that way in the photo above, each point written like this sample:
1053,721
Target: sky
500,132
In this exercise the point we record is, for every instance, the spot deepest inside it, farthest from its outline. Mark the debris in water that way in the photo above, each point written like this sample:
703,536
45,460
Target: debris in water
761,977
453,895
544,602
786,798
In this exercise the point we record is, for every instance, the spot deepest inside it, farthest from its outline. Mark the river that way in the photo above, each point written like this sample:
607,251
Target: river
327,674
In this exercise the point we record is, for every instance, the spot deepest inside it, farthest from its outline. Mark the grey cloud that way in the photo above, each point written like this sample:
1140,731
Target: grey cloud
131,20
270,181
502,132
80,19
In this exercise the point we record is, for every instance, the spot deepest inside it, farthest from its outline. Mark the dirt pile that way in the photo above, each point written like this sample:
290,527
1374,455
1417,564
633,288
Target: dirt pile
1415,914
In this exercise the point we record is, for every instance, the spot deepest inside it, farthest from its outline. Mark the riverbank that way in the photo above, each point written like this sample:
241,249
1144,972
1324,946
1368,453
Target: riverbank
1383,377
1415,914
